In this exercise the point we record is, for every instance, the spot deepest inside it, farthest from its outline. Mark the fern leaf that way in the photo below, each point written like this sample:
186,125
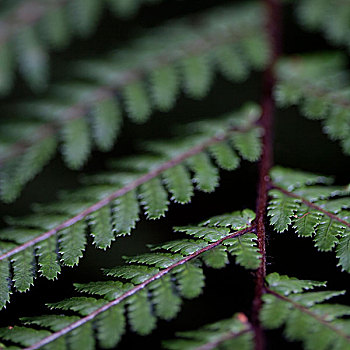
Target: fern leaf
205,173
166,302
154,198
135,273
72,243
183,246
190,278
110,327
106,123
32,58
84,15
76,147
327,233
210,234
23,270
6,68
53,322
47,258
225,156
4,283
287,285
55,28
165,86
245,250
281,209
82,337
82,305
343,251
248,144
236,220
101,227
126,213
108,289
178,183
197,74
159,259
306,221
140,316
137,102
233,333
231,63
22,335
216,258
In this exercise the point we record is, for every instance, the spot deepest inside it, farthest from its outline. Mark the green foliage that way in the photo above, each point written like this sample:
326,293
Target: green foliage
80,110
297,198
85,112
232,333
151,286
319,85
318,326
110,213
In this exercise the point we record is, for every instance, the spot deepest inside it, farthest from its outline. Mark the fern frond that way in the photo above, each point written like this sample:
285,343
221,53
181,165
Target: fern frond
319,85
149,292
87,112
232,333
109,203
31,29
316,211
305,316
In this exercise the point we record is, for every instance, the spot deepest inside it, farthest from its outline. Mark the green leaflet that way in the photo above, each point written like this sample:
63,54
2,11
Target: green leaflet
216,257
205,173
47,258
231,333
343,251
165,87
245,250
110,327
137,102
140,317
4,282
327,233
209,234
72,243
281,209
190,279
101,227
6,68
82,337
77,144
22,335
53,322
107,120
231,63
225,156
160,260
154,198
84,15
248,144
23,269
82,305
125,213
24,168
32,58
306,221
166,302
237,220
179,184
54,27
197,74
135,273
183,246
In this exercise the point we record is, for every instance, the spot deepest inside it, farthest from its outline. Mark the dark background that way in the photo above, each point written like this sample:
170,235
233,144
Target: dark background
298,143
